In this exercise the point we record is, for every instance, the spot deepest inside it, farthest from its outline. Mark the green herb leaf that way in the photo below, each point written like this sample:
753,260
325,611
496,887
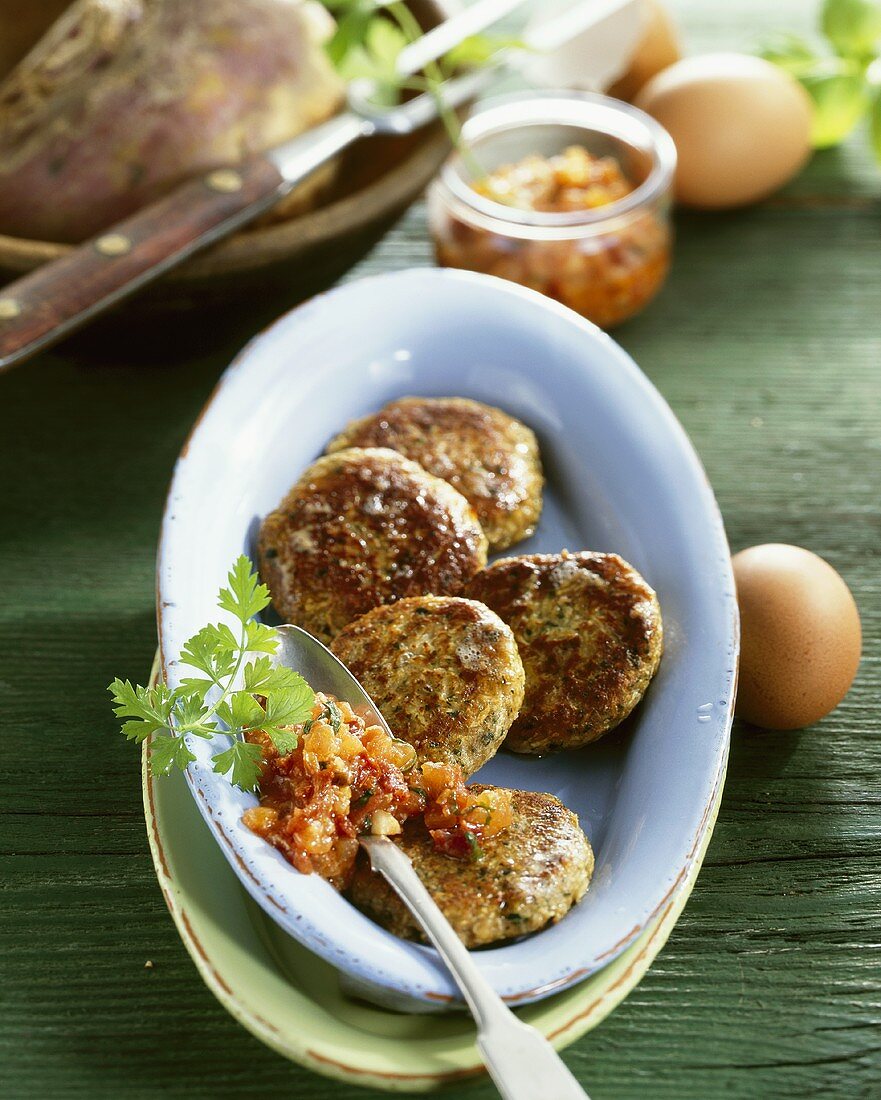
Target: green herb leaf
790,52
192,716
212,650
262,677
479,49
245,597
475,852
167,753
852,26
839,97
149,708
243,760
875,125
221,657
193,685
284,740
260,638
290,705
240,710
333,715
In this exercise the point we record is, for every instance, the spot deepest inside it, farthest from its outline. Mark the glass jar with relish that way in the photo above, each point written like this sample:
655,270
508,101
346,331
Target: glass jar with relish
567,193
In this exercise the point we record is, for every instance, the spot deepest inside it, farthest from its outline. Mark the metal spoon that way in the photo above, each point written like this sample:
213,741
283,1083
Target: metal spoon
521,1062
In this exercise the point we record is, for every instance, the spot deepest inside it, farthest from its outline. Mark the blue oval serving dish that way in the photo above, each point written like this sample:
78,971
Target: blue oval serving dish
621,476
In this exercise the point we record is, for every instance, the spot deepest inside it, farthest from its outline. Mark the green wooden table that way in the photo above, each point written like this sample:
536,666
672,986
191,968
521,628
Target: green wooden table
767,344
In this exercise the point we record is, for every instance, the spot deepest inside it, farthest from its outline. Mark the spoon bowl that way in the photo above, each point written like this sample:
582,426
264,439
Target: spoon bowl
324,671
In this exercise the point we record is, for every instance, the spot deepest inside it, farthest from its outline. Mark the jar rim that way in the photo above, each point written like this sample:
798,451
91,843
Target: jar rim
588,110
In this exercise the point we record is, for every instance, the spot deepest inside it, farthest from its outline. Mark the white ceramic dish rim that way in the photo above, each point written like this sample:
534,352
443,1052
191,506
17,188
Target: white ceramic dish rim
237,842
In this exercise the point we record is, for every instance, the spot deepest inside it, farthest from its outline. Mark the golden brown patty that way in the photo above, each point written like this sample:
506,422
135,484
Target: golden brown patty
361,528
444,672
588,628
529,875
491,458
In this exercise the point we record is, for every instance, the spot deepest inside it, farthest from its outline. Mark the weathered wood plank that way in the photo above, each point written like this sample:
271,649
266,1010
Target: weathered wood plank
766,343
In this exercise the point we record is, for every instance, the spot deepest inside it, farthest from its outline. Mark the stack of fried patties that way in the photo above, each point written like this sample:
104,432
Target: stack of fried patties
380,550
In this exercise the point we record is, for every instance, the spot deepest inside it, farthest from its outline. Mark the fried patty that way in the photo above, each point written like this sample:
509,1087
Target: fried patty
365,527
444,672
589,632
528,876
491,458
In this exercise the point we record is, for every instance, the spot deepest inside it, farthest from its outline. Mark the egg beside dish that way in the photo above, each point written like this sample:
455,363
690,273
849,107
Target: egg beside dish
801,638
741,126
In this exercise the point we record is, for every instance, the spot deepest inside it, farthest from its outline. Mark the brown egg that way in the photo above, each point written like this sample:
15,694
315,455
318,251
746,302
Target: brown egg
658,47
741,125
800,636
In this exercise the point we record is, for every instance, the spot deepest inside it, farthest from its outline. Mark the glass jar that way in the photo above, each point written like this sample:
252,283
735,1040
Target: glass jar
607,262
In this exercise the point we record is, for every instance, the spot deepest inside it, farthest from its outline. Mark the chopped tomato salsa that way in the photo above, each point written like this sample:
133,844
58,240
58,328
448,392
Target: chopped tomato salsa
347,778
607,274
572,180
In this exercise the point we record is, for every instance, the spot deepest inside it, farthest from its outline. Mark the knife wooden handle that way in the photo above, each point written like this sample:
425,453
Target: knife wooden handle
45,305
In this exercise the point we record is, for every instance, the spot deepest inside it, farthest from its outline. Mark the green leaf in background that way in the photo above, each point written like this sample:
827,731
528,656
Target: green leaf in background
840,100
478,49
353,18
384,42
790,52
875,124
852,26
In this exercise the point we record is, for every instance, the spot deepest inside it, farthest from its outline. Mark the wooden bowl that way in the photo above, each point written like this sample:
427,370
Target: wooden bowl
262,269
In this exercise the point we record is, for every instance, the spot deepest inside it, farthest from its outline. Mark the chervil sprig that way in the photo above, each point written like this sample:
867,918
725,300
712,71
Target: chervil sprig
248,691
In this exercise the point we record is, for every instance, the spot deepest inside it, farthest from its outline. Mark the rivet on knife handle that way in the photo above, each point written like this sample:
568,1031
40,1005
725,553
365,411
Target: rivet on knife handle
53,300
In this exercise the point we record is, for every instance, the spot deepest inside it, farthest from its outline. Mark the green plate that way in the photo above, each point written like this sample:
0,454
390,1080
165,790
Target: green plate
291,1000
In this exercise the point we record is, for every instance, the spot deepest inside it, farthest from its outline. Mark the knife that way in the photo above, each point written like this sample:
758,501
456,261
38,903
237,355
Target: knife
51,302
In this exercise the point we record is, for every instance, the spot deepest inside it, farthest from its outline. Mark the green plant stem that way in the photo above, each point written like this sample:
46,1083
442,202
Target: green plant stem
195,727
434,78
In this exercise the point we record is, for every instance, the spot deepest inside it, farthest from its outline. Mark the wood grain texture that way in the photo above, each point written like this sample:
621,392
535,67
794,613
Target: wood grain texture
766,343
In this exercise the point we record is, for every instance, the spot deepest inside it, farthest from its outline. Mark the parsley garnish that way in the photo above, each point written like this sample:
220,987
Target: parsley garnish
221,657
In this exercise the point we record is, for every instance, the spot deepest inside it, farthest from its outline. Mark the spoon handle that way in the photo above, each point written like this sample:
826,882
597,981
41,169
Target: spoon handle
522,1063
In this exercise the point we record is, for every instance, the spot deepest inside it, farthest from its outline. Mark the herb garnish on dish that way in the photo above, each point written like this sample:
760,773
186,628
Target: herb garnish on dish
325,773
271,698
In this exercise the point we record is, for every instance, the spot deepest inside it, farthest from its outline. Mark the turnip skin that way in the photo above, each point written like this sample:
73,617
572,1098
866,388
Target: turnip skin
123,99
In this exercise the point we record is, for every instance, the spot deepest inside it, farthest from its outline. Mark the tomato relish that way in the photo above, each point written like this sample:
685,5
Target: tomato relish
572,180
607,271
348,777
